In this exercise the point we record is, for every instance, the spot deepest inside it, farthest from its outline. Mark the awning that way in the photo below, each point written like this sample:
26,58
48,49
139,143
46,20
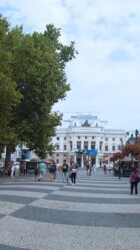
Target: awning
81,151
92,152
88,152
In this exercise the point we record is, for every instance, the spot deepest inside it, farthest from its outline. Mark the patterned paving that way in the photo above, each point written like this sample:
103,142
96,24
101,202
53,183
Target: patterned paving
97,213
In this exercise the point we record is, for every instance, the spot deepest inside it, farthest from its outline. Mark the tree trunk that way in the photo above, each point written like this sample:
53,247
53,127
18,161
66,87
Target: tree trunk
9,150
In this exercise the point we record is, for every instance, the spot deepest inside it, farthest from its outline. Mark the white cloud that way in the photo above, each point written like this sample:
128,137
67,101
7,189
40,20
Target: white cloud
105,75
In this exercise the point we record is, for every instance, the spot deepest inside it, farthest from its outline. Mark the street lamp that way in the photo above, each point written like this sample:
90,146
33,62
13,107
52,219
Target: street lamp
136,135
131,140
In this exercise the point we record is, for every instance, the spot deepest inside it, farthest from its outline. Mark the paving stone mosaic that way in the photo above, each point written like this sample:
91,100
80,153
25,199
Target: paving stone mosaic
92,215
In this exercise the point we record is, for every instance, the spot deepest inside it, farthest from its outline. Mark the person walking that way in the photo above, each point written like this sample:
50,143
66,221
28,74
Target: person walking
134,179
109,169
73,172
120,172
104,168
36,171
17,169
65,168
88,170
94,169
52,171
42,168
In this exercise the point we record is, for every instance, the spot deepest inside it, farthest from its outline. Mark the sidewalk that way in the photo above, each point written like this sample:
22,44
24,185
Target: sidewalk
97,213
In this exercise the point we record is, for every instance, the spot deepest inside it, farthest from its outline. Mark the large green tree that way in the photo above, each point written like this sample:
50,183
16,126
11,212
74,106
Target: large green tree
38,69
9,96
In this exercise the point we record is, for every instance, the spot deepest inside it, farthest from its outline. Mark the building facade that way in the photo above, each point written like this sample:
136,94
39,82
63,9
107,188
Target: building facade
85,138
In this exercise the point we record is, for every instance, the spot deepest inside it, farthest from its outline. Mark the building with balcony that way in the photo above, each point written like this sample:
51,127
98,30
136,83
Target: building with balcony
84,138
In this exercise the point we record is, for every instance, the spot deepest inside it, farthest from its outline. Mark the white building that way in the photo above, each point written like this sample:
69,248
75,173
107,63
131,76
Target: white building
85,138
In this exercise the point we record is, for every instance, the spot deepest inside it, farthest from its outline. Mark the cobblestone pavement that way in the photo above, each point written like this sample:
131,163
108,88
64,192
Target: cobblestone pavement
97,213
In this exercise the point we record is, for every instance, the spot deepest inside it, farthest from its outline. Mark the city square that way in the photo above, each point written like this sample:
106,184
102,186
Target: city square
69,125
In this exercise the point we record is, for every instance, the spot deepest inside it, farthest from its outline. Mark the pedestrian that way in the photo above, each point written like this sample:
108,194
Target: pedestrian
94,168
134,179
52,171
17,168
120,172
73,172
109,169
88,170
104,168
65,169
42,168
36,171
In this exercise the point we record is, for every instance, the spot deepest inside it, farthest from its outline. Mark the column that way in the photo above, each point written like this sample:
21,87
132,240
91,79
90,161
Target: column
75,157
97,148
82,144
89,145
82,161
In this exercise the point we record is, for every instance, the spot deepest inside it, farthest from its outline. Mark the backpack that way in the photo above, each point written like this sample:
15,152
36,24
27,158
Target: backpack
134,177
64,167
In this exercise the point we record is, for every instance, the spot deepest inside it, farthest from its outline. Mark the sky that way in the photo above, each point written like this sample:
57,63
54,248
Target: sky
105,76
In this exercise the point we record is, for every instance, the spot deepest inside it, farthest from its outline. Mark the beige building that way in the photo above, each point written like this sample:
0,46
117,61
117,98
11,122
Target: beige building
85,138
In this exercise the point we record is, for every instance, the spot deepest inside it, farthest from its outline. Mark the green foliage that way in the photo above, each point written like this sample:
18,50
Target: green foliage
9,96
33,67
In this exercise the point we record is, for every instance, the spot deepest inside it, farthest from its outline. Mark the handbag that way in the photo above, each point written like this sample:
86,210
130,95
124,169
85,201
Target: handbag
70,175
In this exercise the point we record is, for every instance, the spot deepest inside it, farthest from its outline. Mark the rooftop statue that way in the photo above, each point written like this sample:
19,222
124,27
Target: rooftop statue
86,124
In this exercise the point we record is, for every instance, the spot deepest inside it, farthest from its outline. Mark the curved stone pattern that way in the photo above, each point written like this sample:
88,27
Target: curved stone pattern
97,213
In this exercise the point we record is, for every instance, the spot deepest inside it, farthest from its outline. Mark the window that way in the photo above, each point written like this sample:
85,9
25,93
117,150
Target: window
113,139
85,145
57,161
78,137
85,137
106,139
65,138
78,145
65,147
93,137
65,155
92,145
57,147
113,148
57,138
70,145
57,155
100,147
106,148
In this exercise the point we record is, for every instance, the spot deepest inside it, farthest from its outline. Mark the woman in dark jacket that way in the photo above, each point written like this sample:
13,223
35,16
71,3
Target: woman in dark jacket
134,179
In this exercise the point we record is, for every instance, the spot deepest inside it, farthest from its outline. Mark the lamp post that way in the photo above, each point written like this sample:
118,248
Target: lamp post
136,135
131,141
